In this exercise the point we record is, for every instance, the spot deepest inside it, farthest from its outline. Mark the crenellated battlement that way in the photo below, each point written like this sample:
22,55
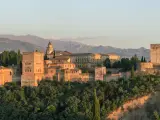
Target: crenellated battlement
155,46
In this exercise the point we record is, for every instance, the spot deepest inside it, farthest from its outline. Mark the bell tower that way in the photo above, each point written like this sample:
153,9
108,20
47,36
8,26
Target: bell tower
50,51
49,48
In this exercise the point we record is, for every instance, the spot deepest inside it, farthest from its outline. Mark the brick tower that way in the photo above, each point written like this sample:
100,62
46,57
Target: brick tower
32,68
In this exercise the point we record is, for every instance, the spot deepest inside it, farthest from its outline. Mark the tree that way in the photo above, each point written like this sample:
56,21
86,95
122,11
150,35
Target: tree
142,59
134,61
96,107
3,58
107,63
19,57
54,77
156,115
132,72
54,54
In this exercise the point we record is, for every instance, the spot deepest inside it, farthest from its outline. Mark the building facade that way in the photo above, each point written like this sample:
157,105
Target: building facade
143,66
60,67
155,54
5,75
114,57
32,68
100,72
88,60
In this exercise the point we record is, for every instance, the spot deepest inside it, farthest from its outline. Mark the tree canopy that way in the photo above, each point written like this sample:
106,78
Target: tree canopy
9,58
55,100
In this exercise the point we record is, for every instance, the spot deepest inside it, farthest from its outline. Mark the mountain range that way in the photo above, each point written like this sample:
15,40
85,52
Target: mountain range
31,42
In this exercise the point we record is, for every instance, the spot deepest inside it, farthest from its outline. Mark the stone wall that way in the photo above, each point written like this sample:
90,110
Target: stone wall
5,75
143,66
99,73
155,53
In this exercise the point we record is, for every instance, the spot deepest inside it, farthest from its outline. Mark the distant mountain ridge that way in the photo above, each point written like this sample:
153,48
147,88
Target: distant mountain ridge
7,44
74,47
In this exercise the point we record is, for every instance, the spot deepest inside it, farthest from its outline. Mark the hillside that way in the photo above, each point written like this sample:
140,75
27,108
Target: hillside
7,44
77,47
73,100
147,111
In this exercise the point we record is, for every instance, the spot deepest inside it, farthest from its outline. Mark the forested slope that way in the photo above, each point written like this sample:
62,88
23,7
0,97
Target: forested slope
53,100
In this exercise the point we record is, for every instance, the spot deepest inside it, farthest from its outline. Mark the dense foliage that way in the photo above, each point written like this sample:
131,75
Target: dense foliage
8,58
125,64
53,100
143,59
96,107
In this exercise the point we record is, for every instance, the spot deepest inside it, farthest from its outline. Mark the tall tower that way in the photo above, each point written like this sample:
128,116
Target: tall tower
155,53
32,68
50,51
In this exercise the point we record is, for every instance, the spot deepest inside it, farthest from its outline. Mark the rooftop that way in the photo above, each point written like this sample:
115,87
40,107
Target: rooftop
61,58
81,54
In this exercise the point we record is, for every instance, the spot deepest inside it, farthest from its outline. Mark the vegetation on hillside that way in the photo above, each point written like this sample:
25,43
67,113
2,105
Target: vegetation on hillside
53,100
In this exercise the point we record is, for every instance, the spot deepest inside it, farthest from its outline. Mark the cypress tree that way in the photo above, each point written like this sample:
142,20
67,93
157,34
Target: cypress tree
132,72
4,57
142,60
18,57
7,58
54,54
96,107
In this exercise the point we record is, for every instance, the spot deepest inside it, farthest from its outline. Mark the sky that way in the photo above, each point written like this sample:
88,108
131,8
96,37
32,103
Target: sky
119,23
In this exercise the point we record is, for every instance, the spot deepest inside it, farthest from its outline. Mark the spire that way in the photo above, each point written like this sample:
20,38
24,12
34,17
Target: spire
49,43
54,54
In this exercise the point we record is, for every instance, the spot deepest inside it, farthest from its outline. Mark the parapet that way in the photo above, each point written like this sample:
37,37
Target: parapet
155,46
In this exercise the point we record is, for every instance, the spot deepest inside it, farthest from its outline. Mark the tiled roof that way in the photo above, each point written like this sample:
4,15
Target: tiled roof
81,54
61,58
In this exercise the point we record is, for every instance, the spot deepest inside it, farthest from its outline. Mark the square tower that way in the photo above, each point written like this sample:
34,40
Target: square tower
32,68
155,54
99,73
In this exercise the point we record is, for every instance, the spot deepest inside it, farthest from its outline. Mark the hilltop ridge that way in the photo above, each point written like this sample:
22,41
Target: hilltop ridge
75,47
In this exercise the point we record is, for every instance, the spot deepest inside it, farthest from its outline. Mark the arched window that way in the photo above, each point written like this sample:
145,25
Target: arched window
27,69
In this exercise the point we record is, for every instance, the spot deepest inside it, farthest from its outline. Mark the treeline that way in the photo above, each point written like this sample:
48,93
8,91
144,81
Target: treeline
8,58
53,100
125,64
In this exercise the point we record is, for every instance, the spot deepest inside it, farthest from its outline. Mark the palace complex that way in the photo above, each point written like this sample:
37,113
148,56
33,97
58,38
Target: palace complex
58,65
66,66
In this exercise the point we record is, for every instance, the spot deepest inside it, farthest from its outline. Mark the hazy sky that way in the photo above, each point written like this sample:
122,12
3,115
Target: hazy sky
133,21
